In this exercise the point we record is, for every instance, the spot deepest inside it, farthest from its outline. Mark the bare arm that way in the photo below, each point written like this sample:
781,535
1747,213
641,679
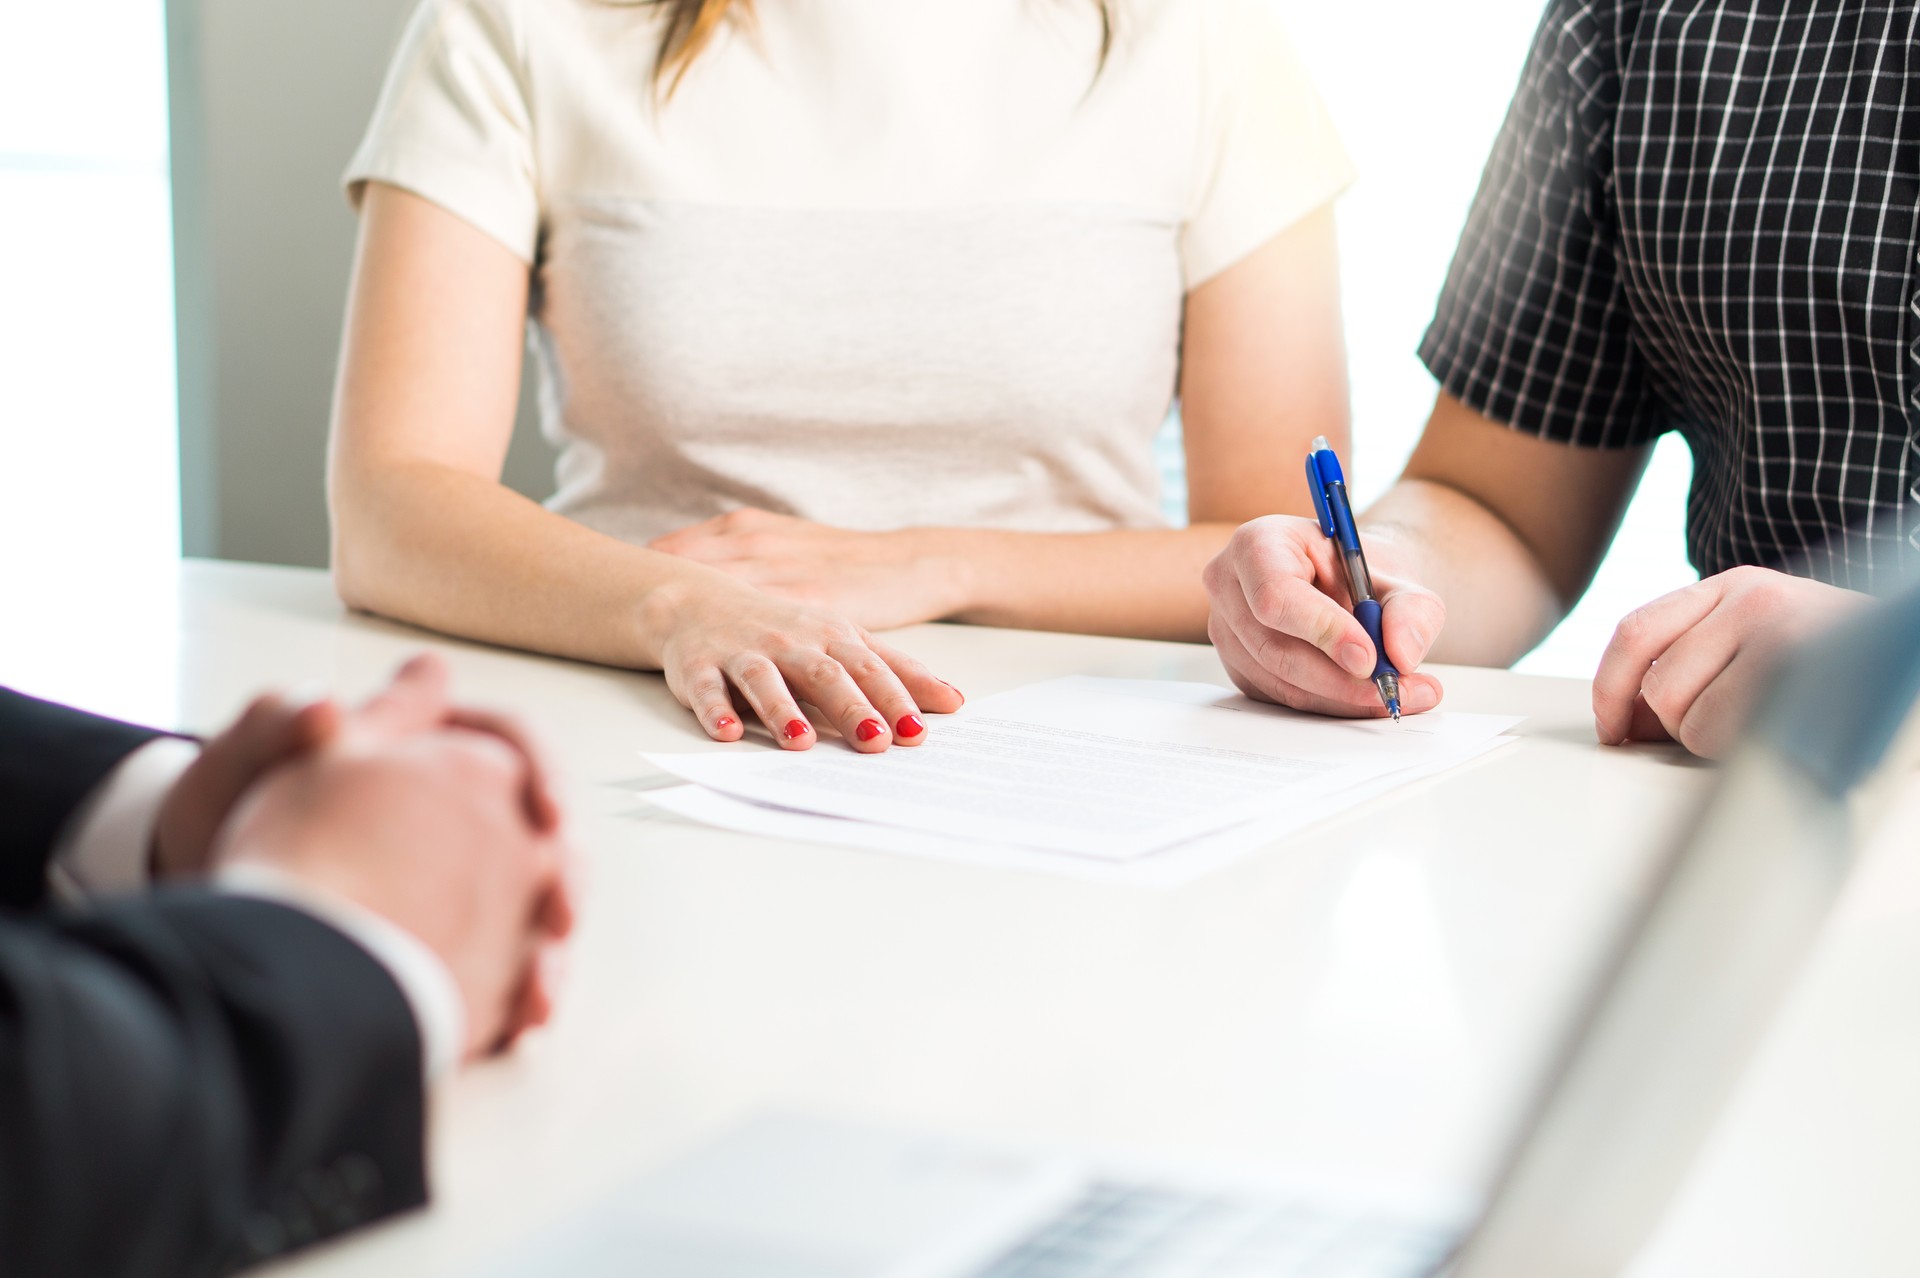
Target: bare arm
425,532
1507,528
1263,370
422,528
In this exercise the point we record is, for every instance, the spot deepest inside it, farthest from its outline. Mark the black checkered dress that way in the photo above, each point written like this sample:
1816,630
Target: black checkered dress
1703,217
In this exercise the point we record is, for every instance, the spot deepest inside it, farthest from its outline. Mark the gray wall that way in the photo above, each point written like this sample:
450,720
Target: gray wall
269,98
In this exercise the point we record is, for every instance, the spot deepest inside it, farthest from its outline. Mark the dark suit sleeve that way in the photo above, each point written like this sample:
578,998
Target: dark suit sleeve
192,1082
51,758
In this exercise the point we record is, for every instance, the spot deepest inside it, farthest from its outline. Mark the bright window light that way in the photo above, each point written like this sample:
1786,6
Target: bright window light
89,464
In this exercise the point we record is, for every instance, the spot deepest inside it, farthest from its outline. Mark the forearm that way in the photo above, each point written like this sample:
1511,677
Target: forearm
459,553
1141,584
152,1085
1500,599
51,759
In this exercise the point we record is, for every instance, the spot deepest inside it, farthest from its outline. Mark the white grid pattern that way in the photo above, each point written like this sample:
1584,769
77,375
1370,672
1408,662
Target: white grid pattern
1705,217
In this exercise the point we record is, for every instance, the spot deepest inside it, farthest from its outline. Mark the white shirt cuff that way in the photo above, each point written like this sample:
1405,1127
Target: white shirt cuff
423,978
107,842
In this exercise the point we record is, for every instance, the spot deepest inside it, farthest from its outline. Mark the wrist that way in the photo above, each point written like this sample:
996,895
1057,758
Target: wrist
953,565
660,612
653,620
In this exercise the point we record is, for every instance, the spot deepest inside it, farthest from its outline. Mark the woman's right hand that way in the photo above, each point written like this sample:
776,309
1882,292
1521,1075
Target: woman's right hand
721,642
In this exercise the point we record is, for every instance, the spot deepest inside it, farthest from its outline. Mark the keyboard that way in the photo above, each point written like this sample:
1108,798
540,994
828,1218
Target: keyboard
1123,1231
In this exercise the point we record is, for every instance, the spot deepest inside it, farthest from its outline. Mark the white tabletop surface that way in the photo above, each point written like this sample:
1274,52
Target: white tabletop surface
1365,999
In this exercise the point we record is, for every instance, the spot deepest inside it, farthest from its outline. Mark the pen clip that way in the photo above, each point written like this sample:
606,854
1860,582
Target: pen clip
1317,482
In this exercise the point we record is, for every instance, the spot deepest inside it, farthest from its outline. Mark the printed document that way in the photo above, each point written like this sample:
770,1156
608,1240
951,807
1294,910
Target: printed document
1105,769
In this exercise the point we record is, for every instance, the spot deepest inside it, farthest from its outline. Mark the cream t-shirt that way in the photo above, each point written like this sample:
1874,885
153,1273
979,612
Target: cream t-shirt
876,263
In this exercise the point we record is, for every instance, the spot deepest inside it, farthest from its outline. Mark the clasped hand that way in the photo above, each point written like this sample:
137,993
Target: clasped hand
440,818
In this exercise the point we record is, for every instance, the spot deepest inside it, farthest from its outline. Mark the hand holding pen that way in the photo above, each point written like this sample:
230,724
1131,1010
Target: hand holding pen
1285,593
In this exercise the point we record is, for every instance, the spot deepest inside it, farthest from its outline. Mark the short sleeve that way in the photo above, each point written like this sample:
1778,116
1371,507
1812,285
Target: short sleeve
454,124
1534,328
1270,150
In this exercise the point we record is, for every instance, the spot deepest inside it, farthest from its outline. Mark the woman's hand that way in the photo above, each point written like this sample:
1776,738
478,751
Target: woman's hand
722,639
881,580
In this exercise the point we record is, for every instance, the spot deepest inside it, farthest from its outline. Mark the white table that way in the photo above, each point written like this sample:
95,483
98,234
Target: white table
1364,999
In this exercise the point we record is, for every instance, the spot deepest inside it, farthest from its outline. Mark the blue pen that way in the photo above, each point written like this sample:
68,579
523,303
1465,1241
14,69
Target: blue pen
1329,488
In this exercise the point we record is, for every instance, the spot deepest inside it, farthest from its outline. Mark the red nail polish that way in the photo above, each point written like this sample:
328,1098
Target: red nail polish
724,724
909,726
796,728
869,729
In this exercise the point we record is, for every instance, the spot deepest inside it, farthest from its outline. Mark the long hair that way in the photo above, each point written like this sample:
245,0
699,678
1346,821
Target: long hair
691,25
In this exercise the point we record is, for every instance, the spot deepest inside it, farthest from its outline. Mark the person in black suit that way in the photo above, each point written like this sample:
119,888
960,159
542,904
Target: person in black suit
233,1065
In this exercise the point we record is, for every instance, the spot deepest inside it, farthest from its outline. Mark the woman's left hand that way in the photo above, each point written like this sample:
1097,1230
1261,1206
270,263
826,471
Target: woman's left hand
878,580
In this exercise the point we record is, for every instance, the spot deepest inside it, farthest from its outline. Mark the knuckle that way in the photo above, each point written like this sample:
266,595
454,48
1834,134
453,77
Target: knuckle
1660,696
1298,665
845,633
1287,695
869,671
1699,734
1326,633
261,708
754,670
1271,602
818,671
1632,629
707,686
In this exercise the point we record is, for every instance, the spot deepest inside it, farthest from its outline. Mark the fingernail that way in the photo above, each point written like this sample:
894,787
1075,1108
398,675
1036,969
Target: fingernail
723,724
909,726
1355,660
796,728
869,729
1600,731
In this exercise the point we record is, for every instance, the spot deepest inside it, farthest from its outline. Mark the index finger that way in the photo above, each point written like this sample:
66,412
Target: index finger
1281,599
1639,640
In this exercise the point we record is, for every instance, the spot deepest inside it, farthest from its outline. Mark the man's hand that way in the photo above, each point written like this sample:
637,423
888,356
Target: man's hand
1284,627
270,732
273,731
431,830
1689,666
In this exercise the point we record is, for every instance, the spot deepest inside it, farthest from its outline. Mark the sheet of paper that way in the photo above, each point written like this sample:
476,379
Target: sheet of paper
1107,769
1169,867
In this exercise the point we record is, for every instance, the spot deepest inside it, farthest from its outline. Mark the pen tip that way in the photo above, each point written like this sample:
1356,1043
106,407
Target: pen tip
1394,709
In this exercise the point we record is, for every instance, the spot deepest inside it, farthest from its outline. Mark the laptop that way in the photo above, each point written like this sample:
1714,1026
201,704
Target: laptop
1678,1004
